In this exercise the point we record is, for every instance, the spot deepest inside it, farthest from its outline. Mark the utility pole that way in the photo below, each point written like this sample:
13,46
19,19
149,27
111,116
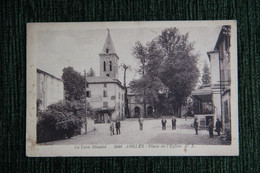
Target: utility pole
85,91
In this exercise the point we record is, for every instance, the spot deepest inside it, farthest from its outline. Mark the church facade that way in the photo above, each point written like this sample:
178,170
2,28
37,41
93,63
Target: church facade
105,93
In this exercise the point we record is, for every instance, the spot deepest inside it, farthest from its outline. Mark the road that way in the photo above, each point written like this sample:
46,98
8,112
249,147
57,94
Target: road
151,134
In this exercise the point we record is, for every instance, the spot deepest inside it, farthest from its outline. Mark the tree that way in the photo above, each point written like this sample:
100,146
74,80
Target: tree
140,52
60,120
91,73
73,83
206,75
179,68
148,86
168,68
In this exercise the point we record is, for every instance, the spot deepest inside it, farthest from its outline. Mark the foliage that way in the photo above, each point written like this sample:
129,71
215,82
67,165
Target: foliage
148,86
168,65
73,83
140,52
91,73
206,75
61,120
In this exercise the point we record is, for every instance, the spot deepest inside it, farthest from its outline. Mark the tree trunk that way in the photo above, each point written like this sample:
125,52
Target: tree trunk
126,104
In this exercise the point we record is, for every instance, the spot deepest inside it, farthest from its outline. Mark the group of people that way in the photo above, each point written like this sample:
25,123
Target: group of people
218,126
112,127
164,121
210,127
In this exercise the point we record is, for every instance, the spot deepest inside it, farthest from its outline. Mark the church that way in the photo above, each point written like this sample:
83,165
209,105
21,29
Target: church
105,93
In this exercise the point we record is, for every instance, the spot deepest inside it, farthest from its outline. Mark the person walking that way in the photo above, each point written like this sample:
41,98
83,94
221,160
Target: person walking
196,125
211,126
141,120
218,126
174,123
164,121
112,128
118,125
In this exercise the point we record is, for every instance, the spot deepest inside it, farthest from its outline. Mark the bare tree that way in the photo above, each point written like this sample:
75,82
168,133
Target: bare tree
125,67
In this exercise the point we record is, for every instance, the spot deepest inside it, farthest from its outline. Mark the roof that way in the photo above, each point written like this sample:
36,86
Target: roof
43,72
101,79
225,30
204,94
211,52
108,46
202,91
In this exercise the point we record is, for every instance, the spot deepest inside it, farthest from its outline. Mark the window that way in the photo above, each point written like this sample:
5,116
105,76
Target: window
105,85
88,94
86,85
104,66
119,95
122,97
110,65
107,50
104,93
105,104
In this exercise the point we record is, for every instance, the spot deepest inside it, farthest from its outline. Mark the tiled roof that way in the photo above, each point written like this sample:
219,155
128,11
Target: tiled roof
43,72
99,79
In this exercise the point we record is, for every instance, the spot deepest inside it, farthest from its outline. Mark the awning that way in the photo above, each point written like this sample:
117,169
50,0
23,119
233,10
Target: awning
204,94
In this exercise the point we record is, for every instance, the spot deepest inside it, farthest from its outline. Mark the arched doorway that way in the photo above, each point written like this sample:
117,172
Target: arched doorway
137,111
150,111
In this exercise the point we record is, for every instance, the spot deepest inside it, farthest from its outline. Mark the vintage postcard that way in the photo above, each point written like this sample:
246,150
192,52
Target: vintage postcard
165,88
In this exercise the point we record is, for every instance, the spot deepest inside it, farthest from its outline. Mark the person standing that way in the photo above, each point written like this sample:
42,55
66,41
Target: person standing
140,120
211,125
218,126
112,128
196,125
174,123
164,121
118,125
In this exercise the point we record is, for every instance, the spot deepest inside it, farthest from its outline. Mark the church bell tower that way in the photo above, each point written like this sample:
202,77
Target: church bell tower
109,59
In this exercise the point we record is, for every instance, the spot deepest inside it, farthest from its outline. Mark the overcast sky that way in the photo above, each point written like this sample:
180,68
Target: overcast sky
79,47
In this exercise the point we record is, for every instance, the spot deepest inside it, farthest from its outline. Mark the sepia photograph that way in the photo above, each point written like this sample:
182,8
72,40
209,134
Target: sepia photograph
162,88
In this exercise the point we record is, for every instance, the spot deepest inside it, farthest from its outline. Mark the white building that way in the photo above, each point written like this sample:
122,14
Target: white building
219,91
105,93
50,89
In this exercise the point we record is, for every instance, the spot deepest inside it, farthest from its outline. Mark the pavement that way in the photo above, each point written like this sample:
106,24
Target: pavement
152,134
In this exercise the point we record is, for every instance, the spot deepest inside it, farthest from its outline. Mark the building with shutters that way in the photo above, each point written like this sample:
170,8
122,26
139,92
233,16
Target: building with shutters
105,93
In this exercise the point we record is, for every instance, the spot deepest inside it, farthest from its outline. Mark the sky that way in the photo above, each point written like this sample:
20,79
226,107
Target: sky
79,46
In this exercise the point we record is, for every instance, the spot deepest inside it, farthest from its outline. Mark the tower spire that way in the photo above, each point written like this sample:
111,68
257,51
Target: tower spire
108,46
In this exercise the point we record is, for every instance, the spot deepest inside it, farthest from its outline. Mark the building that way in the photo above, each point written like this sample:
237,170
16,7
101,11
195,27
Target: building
223,48
105,93
203,107
50,89
136,108
218,93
